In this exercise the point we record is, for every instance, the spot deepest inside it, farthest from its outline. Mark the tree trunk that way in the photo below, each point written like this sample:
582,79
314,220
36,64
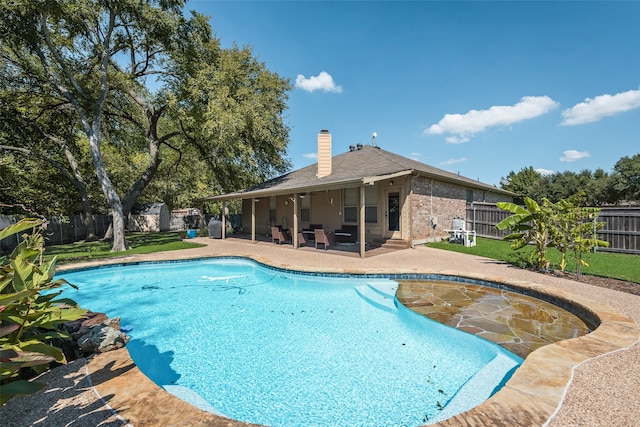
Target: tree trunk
119,241
145,178
87,219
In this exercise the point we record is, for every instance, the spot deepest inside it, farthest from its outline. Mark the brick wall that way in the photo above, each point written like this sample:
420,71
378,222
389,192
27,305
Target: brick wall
435,199
443,201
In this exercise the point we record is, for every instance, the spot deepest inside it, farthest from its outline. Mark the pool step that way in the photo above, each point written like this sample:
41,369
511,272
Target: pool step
192,397
380,294
480,387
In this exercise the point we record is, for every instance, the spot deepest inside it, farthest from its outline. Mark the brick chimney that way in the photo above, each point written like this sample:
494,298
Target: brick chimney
324,153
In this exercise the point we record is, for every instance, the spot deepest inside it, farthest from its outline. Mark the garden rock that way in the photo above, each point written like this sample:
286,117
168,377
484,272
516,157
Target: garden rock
81,327
103,337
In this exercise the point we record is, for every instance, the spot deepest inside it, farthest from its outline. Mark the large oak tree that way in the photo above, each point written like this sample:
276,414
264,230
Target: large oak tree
143,78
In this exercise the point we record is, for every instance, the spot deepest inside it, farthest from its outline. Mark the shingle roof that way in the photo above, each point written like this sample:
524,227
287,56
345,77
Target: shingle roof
352,169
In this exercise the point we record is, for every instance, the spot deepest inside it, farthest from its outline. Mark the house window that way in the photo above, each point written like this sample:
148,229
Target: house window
305,209
273,204
469,196
351,205
370,204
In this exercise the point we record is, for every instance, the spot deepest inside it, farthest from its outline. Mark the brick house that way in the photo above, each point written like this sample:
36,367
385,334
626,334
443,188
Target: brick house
373,193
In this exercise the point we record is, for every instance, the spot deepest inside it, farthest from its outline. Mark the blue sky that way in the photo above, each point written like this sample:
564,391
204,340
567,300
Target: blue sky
479,88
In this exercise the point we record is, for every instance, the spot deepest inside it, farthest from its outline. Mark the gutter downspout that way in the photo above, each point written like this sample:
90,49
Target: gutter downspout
431,209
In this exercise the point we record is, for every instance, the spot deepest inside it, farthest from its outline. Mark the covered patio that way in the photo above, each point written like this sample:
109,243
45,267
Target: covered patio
344,249
365,197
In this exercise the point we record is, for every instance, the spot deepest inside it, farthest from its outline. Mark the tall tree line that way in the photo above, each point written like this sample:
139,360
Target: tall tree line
105,103
620,187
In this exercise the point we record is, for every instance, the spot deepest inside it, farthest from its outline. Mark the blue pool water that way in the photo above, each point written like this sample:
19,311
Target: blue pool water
271,347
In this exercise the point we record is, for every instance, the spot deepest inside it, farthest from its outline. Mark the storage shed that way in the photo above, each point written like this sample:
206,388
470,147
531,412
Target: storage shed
151,217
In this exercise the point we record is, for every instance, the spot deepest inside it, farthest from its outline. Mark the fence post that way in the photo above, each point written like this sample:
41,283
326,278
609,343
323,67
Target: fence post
595,232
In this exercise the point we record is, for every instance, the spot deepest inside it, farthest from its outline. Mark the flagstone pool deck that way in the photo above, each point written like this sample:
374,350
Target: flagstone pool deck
592,380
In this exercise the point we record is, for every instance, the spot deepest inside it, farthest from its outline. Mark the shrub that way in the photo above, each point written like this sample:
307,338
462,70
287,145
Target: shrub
30,314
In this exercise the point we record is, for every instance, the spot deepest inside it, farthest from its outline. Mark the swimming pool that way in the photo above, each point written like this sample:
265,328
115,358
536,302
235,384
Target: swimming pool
267,346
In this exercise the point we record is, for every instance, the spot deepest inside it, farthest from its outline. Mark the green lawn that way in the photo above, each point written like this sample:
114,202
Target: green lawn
605,264
139,243
618,266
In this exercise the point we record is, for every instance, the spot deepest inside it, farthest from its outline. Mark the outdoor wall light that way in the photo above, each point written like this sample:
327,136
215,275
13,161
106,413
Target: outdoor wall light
390,182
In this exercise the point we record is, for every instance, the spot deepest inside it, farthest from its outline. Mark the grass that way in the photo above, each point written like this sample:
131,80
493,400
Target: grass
604,264
139,243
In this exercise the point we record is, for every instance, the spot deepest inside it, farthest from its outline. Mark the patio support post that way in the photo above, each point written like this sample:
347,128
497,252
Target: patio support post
294,236
224,220
361,219
253,220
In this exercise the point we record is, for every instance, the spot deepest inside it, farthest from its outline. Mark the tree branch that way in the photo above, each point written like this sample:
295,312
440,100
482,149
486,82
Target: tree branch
30,153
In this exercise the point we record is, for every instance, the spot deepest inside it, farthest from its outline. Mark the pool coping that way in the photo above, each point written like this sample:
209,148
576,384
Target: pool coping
531,397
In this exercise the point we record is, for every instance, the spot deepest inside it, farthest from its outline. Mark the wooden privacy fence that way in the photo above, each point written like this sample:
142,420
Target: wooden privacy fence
59,230
621,229
72,229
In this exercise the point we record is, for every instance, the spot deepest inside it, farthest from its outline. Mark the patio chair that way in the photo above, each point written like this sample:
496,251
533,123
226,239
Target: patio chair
301,239
278,234
322,238
459,233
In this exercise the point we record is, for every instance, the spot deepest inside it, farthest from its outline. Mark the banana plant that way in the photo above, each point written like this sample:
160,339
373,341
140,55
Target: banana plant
30,312
531,223
577,230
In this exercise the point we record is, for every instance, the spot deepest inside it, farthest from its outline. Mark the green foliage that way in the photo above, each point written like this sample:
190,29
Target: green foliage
30,314
576,229
626,182
136,99
526,183
565,225
622,186
531,223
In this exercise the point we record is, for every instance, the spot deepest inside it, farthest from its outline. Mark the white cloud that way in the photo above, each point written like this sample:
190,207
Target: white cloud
322,81
454,161
464,126
313,156
545,172
573,155
592,110
457,139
